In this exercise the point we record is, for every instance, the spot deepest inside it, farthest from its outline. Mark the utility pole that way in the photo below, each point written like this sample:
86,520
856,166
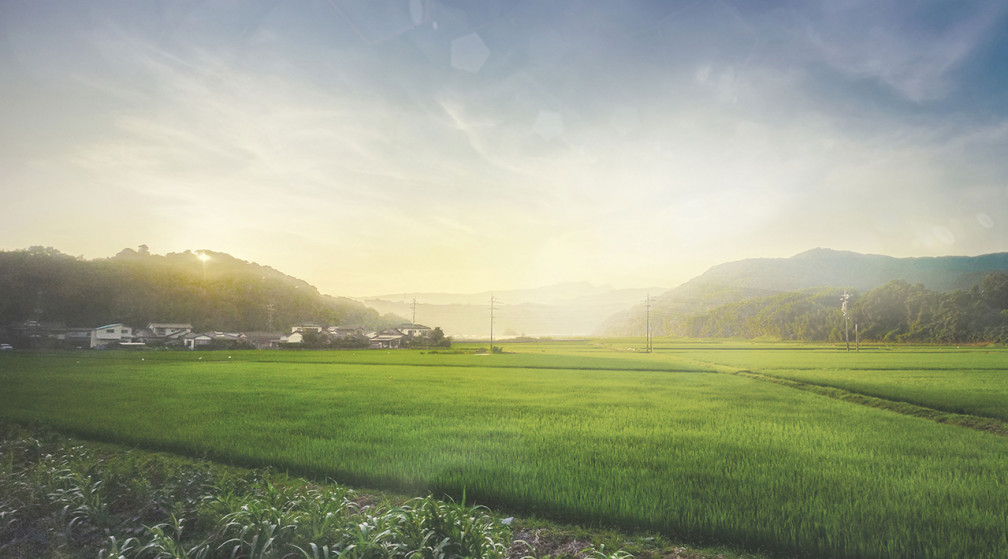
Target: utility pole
492,301
647,330
414,312
270,308
846,318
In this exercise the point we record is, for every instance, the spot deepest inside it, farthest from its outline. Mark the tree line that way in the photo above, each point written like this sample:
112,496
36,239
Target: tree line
895,312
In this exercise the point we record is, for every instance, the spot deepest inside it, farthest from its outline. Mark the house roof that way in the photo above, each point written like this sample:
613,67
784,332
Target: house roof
169,325
264,335
227,335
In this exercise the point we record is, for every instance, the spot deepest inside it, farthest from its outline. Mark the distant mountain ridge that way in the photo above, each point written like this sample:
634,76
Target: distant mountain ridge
817,268
823,267
565,309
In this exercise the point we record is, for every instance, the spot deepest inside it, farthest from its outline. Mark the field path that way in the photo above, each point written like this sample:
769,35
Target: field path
987,424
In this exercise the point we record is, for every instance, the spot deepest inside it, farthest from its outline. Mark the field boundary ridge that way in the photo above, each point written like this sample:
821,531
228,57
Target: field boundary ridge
978,423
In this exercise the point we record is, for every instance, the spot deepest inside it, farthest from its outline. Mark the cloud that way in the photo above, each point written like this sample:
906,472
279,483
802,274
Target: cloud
910,48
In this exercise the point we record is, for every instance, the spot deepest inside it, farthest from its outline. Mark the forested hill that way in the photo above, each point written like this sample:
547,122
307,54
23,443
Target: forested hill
135,287
799,297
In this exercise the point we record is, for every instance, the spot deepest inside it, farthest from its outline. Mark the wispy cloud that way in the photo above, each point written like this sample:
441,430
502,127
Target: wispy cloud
673,138
909,47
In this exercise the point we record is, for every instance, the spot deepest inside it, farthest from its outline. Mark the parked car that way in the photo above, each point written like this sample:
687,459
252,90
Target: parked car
6,347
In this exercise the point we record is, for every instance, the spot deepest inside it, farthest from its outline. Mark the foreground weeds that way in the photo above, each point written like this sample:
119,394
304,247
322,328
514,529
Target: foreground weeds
60,499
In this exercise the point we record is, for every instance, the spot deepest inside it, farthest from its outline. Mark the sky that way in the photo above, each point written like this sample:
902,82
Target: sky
386,146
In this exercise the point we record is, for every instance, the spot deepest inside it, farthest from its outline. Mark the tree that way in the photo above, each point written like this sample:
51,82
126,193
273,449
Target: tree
315,340
438,338
994,290
883,311
435,339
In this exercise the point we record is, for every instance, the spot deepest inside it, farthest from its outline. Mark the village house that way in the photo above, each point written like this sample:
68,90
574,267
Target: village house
228,336
161,333
415,330
213,340
389,339
169,330
195,341
298,331
109,334
264,340
343,332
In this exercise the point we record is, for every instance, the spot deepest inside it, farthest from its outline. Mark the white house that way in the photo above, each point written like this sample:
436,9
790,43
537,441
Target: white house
415,330
111,333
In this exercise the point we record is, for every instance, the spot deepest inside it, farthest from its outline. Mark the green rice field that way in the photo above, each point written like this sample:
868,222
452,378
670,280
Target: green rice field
584,431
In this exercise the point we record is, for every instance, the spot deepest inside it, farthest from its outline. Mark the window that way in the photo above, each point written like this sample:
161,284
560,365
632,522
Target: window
110,331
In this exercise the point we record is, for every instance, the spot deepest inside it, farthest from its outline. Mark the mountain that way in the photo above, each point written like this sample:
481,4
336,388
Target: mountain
566,309
824,267
215,292
818,268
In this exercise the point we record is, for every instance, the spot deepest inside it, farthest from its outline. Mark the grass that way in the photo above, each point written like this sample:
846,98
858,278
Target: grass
575,431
